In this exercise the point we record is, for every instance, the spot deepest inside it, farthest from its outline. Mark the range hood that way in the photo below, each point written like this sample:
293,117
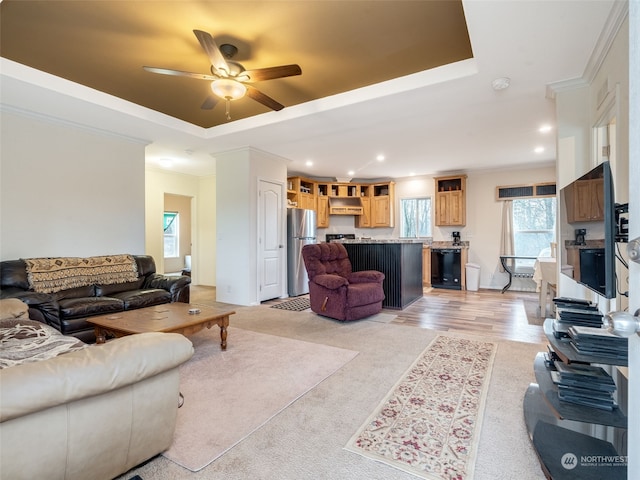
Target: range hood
345,206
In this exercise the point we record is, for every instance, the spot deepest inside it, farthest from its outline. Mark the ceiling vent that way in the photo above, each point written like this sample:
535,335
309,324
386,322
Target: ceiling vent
534,190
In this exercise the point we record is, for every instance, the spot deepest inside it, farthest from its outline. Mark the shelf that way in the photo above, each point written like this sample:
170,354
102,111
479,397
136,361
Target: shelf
594,459
570,411
553,442
568,354
345,206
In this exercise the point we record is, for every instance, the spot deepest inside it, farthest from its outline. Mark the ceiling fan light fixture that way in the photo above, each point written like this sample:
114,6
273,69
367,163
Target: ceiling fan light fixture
228,89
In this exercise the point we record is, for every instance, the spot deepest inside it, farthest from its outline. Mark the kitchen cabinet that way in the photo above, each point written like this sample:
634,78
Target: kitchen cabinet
301,193
322,215
451,200
364,219
426,266
382,204
588,199
372,205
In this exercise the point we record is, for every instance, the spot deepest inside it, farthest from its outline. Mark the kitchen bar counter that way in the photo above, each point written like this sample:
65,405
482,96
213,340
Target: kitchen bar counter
401,263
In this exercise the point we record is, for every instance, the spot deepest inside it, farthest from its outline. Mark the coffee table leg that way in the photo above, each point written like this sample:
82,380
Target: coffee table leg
100,335
223,337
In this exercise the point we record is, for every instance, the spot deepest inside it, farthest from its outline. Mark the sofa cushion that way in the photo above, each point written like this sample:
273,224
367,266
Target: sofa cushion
79,292
143,298
86,306
24,341
109,290
13,273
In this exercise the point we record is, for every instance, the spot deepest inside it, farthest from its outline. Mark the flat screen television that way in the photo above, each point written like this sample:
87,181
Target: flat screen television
588,217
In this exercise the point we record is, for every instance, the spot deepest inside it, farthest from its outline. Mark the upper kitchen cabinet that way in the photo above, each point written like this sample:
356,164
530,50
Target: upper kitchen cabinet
364,220
301,193
322,202
382,207
372,205
587,201
451,200
344,199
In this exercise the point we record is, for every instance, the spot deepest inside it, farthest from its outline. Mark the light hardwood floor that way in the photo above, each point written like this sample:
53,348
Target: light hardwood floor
508,316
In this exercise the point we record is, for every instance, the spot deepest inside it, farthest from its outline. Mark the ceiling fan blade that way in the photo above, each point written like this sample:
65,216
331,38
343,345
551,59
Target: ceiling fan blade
209,102
180,73
270,73
260,97
216,58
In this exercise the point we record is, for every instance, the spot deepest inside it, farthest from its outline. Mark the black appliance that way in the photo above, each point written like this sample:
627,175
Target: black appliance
445,268
456,238
592,269
580,234
339,236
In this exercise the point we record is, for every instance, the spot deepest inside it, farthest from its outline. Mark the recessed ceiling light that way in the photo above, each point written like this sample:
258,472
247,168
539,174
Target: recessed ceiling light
539,149
351,172
380,158
501,83
545,128
309,163
412,174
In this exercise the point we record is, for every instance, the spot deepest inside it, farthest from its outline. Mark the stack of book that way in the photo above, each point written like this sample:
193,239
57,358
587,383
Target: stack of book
585,385
599,342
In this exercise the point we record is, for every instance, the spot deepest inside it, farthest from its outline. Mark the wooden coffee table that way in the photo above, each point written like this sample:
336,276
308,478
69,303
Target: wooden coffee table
169,318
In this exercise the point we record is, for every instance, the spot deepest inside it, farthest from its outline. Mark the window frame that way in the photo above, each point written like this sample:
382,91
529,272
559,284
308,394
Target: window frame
175,235
429,222
552,230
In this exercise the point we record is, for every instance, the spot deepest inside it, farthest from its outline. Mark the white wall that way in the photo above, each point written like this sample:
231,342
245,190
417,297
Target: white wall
238,173
66,191
203,221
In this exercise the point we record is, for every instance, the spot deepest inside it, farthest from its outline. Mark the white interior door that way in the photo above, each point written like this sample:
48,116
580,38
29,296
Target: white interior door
271,249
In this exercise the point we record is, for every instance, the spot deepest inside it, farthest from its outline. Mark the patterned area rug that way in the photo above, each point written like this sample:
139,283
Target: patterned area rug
296,305
429,423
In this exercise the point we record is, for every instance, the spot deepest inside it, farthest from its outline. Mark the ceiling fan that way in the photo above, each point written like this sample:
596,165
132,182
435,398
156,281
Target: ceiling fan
229,80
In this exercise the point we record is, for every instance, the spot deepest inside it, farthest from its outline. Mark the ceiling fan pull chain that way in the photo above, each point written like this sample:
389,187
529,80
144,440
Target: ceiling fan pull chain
228,111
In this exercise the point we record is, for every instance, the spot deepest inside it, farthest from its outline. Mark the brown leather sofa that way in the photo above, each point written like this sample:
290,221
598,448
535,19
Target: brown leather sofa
67,310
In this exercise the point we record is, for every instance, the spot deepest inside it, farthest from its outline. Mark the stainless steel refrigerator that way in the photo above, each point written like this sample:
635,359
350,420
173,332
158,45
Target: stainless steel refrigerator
301,230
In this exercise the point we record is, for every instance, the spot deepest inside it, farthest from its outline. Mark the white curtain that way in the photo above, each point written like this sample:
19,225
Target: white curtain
506,240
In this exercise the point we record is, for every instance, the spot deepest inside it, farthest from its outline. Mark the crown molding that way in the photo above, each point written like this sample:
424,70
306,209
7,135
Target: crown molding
4,108
618,14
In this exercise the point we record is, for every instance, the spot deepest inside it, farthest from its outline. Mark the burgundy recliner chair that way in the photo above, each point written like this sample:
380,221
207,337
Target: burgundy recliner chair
334,290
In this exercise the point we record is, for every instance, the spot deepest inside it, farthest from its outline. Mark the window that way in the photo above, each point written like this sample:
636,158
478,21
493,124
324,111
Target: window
415,217
534,221
171,235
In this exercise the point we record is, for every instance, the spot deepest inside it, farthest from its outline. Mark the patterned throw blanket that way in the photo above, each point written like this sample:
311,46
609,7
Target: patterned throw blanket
25,341
50,275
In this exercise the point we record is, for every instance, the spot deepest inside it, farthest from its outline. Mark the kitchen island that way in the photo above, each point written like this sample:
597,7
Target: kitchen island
401,263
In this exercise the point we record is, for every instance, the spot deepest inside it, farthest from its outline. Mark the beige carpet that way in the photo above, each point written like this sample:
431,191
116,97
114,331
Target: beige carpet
230,394
306,440
429,423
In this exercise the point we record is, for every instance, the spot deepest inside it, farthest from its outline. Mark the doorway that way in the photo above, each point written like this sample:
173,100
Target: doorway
177,232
